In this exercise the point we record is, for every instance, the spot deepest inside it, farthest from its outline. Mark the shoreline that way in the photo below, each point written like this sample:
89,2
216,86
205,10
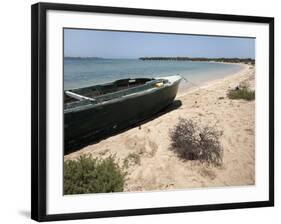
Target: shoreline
161,169
83,84
184,89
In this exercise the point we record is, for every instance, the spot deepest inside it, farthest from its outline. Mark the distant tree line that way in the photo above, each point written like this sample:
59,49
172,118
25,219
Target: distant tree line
230,60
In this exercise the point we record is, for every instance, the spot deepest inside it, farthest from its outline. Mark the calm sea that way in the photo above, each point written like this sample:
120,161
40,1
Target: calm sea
81,72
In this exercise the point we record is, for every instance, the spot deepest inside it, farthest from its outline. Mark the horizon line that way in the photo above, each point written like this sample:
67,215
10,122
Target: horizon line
85,57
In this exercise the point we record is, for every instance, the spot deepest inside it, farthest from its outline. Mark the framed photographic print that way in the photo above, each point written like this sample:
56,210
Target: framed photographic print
139,111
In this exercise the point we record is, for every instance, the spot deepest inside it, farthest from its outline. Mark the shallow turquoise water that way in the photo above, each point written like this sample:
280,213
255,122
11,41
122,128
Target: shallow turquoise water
81,72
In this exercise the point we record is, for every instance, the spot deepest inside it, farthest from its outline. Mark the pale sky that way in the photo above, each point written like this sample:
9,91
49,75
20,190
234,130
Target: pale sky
115,44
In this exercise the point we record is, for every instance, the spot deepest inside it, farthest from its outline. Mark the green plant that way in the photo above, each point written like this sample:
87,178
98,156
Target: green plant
90,175
192,142
241,93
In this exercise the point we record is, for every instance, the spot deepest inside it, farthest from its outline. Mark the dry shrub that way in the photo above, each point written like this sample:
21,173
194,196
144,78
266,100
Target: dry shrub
192,142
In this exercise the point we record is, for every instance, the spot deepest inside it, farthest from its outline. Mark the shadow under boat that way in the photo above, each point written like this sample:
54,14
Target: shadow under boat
88,121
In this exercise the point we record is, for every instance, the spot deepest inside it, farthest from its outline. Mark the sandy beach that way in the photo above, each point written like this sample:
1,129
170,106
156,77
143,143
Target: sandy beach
159,168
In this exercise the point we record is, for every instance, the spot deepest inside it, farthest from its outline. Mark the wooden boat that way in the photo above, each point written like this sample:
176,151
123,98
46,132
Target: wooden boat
93,112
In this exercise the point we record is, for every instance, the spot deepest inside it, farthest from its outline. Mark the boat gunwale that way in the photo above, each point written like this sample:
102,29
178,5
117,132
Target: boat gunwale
119,91
91,105
111,83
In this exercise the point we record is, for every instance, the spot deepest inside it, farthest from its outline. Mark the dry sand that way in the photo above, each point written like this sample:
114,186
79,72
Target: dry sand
160,168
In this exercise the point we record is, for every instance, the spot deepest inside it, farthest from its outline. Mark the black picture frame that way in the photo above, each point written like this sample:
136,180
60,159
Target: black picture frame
39,122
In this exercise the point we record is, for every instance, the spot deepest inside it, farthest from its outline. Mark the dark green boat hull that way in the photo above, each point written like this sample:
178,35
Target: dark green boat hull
91,124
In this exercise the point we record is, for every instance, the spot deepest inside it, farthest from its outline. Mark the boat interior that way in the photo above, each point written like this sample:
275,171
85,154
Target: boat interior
108,91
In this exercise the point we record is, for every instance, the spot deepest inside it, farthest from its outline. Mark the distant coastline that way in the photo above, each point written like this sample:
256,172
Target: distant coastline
228,60
203,59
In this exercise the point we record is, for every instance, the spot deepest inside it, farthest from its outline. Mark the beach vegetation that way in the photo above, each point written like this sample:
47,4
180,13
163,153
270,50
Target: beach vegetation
91,175
241,92
192,142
